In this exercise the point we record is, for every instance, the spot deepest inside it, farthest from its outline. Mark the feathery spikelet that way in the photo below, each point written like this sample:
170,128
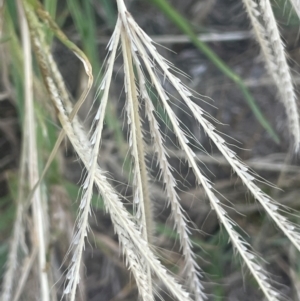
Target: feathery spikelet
140,58
129,236
191,267
141,198
267,34
134,246
238,243
296,6
142,45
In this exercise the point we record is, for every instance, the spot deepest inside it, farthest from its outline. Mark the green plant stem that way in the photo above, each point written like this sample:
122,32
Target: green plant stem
185,27
50,7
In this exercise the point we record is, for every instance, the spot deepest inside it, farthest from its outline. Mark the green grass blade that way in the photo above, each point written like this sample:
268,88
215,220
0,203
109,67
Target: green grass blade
50,7
110,12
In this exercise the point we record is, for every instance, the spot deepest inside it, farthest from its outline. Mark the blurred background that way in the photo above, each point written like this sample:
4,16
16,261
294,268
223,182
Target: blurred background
221,67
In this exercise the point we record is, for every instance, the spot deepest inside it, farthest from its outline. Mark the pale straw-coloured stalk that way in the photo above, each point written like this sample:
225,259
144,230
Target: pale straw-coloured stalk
35,28
39,207
267,34
141,199
39,235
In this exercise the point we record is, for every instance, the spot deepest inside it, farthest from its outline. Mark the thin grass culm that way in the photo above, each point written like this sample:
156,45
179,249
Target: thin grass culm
144,70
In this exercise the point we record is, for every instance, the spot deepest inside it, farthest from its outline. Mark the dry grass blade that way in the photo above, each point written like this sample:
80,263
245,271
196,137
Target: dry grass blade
35,32
38,205
141,198
39,236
